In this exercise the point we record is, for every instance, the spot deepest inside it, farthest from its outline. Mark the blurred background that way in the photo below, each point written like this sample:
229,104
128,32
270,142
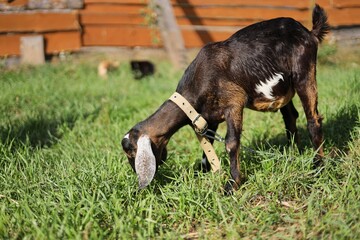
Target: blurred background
71,26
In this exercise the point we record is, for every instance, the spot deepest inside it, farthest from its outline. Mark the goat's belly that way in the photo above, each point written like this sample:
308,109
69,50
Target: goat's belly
264,104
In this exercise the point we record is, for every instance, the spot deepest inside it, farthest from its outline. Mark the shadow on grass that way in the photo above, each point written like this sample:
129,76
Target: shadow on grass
38,132
166,173
337,131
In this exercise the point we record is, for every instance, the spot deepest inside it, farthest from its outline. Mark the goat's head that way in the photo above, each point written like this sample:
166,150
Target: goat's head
143,154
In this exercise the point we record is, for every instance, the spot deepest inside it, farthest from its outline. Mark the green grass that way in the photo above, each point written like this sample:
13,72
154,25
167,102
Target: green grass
63,174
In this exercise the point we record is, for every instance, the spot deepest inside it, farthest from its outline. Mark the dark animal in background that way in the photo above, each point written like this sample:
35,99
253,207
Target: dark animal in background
142,69
259,67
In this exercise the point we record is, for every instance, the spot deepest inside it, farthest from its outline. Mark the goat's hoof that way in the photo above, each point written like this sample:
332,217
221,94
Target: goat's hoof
318,163
203,167
230,188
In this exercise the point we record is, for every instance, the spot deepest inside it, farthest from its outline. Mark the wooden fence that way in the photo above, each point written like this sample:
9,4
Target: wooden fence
67,27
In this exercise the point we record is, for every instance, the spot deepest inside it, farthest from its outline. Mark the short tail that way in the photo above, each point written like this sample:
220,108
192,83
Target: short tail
320,23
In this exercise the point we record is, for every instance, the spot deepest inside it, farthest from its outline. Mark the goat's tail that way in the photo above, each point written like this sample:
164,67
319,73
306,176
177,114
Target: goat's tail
320,23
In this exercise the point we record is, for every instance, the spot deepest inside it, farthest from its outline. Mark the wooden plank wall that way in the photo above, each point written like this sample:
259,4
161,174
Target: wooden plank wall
54,20
132,23
117,23
126,22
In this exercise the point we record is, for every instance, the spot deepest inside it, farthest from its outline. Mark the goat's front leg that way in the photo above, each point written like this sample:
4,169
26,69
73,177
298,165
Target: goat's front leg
234,120
205,164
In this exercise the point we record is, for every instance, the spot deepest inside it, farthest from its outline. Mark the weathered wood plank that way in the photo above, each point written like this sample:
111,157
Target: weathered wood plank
230,22
198,38
55,4
62,41
111,19
114,8
137,20
344,16
9,45
140,36
119,36
118,1
36,21
259,3
257,13
240,13
54,42
346,3
266,3
14,2
13,6
323,3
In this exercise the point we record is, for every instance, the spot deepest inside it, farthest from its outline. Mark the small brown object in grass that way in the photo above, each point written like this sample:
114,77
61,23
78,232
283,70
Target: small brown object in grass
105,66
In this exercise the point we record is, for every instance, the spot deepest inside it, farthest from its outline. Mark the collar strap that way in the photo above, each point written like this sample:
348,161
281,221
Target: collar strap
200,126
199,123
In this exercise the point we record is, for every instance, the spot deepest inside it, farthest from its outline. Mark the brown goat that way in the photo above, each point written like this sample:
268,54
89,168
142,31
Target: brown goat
259,67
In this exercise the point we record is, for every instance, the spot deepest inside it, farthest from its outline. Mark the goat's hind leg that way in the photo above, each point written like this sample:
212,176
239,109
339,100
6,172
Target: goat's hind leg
307,91
290,115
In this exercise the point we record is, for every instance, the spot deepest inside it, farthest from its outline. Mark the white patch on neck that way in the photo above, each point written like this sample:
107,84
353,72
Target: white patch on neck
266,87
127,136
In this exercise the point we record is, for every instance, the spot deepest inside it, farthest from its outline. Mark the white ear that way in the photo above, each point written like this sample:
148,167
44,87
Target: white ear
145,162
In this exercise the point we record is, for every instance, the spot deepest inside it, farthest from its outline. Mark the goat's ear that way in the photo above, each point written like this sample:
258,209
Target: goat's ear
145,162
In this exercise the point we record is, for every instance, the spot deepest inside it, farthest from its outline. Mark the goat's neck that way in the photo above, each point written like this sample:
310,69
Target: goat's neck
161,125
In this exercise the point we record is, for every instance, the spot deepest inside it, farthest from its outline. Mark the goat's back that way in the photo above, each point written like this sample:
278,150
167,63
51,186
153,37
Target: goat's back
270,31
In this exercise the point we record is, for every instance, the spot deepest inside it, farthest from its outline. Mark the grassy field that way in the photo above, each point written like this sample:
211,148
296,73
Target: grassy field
63,174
